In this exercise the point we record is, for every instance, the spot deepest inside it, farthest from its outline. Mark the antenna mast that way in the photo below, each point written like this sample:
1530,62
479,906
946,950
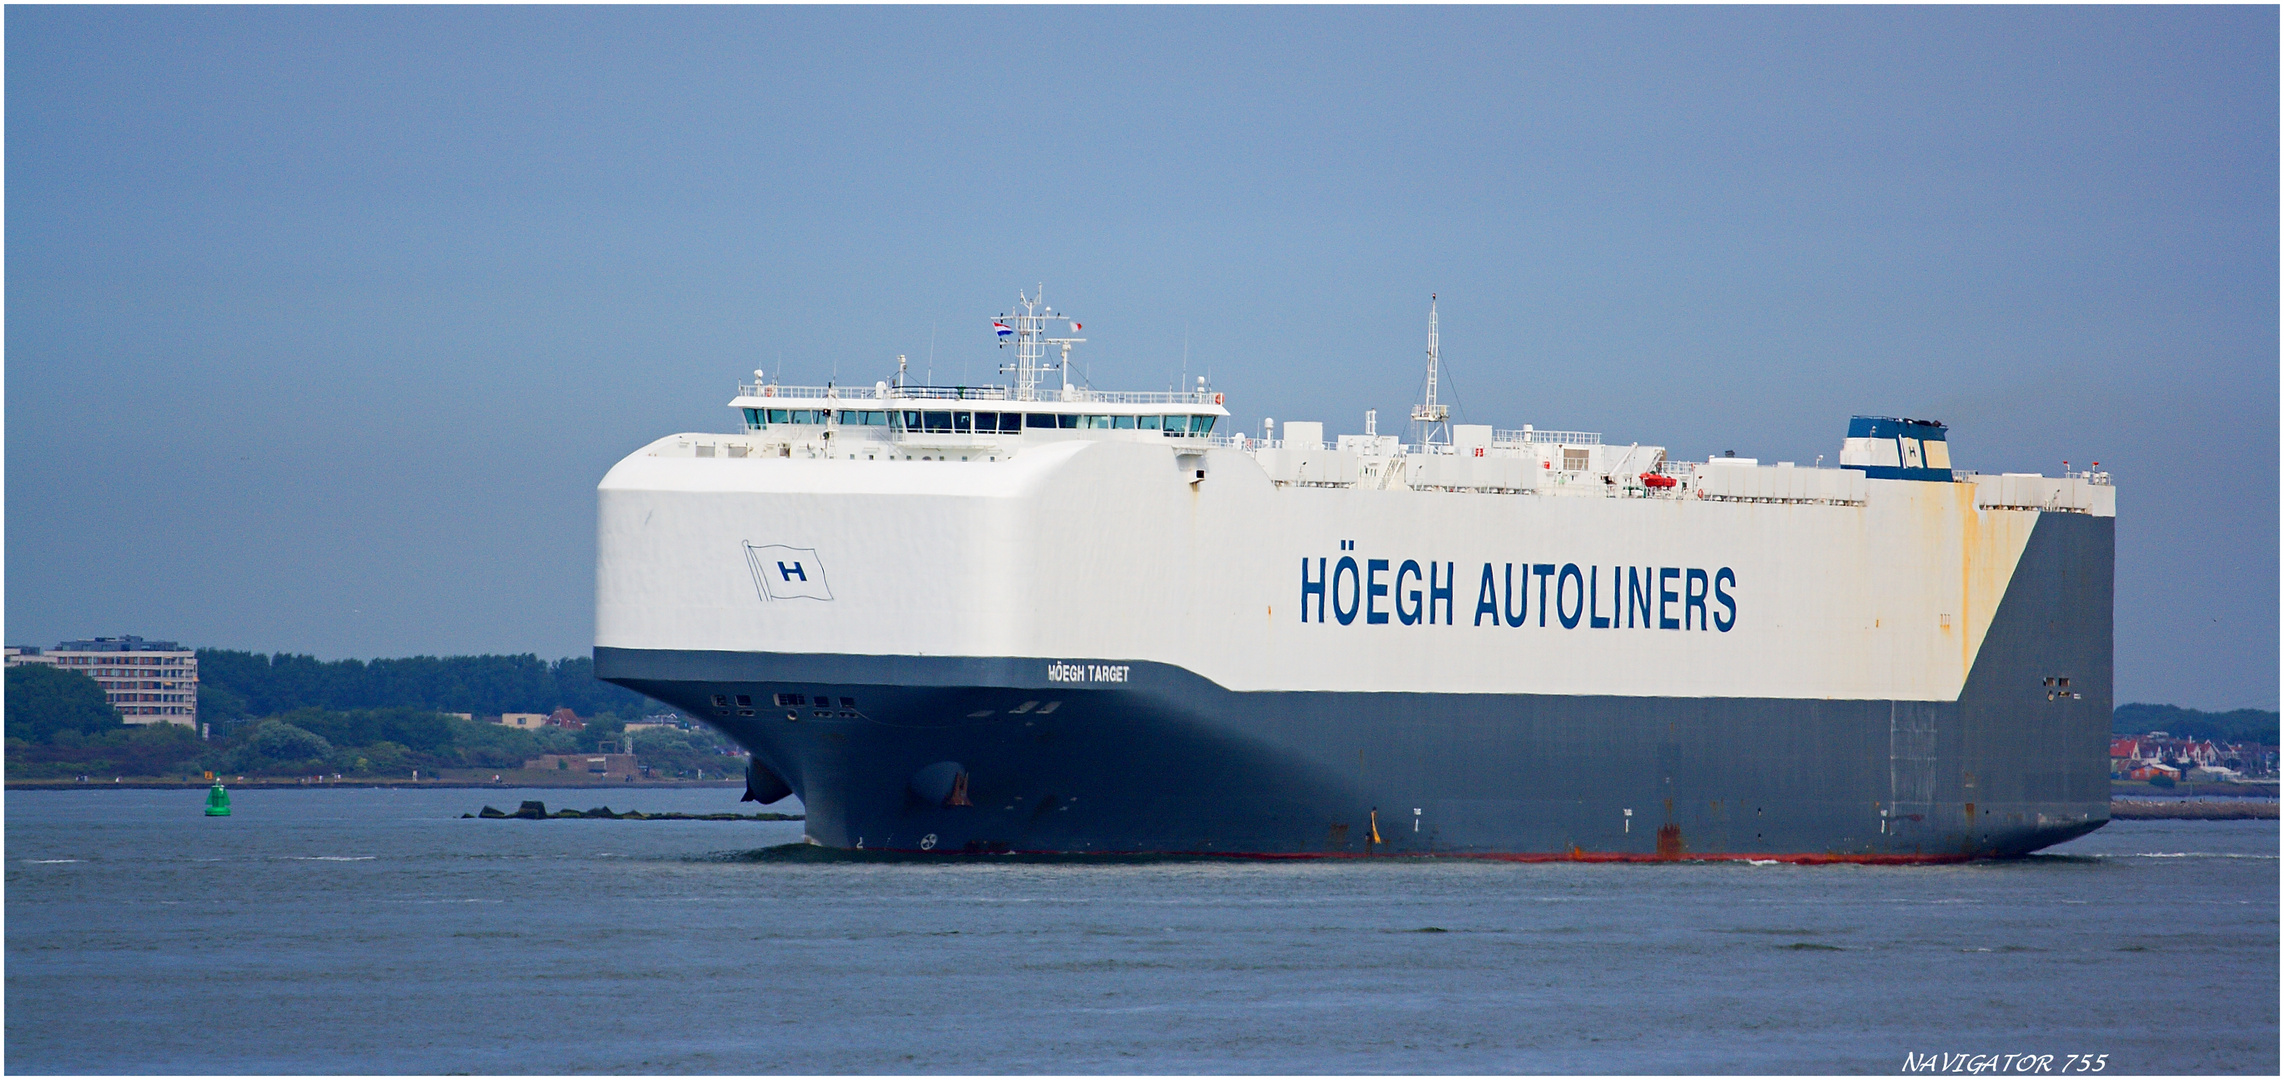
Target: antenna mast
1066,343
1029,329
1431,417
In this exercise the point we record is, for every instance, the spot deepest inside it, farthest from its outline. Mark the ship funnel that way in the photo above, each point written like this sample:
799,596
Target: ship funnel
1893,448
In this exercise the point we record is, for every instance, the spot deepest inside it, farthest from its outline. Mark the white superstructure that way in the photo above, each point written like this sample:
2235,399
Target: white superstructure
1036,521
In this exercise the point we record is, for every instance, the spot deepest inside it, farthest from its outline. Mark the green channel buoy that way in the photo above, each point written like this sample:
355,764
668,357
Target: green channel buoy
217,801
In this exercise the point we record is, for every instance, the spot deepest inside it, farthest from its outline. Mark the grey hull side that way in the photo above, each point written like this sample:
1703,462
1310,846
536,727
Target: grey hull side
1171,762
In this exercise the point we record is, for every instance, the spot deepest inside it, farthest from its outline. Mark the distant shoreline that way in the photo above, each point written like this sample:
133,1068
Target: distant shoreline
148,784
2192,810
2257,804
2225,789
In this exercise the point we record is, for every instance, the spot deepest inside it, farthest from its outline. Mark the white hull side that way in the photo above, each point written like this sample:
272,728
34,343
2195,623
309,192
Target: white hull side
1107,550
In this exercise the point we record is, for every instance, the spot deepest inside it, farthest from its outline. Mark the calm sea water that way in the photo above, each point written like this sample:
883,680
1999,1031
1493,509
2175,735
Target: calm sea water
377,931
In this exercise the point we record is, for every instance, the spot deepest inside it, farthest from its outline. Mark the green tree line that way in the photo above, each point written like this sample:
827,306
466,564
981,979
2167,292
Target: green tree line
2239,725
235,684
58,725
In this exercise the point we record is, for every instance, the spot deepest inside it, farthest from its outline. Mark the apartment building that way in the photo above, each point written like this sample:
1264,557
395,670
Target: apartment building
149,682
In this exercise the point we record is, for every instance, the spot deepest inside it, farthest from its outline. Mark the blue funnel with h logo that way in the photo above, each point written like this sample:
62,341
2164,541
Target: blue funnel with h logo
1891,448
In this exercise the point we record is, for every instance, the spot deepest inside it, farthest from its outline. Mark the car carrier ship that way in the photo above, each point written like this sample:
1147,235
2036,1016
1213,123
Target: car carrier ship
1040,617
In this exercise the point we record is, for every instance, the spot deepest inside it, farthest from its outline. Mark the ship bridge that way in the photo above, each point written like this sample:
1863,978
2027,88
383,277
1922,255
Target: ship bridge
983,423
897,420
894,420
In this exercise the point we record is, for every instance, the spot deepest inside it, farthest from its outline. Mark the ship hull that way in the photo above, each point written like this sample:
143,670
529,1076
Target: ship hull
1169,761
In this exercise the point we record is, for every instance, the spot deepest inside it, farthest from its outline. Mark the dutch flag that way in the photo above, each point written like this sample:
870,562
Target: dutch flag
1003,330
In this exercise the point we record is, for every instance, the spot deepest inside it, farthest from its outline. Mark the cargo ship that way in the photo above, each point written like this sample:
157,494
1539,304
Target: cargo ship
1040,617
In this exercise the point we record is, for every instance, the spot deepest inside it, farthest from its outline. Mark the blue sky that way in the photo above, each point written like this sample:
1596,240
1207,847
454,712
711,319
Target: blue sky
322,323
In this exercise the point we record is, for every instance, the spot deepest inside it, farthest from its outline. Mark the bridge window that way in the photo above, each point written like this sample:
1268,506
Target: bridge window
1092,422
1124,422
936,423
1039,420
864,417
963,422
1201,425
1148,423
753,418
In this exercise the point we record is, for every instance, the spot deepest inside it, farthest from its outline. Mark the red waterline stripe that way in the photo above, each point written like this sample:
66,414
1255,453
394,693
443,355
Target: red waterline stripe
1797,858
1794,858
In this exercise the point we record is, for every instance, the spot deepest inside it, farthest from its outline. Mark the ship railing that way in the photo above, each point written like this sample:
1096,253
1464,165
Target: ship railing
859,393
977,393
874,393
950,393
1140,397
1450,450
1529,436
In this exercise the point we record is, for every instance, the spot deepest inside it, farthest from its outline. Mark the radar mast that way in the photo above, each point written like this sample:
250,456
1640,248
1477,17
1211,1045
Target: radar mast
1430,418
1029,329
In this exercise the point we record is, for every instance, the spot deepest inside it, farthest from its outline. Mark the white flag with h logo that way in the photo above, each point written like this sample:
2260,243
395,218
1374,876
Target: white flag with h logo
782,573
